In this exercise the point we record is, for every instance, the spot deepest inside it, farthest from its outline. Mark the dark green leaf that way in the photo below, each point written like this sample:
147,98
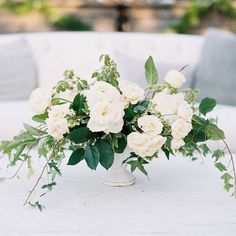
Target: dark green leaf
49,186
92,156
78,104
121,144
53,165
220,166
106,153
207,105
80,135
151,71
76,157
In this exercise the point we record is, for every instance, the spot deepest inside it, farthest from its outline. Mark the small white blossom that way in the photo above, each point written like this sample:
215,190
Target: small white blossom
150,124
175,78
39,100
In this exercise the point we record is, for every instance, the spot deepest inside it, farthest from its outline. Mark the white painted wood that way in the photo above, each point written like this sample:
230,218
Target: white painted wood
181,198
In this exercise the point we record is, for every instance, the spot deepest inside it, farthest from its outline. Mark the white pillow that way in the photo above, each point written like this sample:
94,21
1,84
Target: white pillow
227,122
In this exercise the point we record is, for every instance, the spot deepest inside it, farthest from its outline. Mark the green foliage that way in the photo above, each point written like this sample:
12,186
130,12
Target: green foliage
119,142
106,153
207,105
198,9
220,166
76,156
134,164
71,23
40,118
79,105
108,72
80,135
151,71
92,156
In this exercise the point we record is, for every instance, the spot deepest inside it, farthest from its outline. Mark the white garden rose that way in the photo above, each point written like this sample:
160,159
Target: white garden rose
150,124
106,116
67,95
132,92
154,145
39,100
102,91
167,105
59,111
56,128
180,128
177,143
175,78
185,111
138,142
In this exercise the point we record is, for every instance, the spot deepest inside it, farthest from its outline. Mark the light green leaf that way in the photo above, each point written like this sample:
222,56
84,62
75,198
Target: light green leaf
220,166
151,71
214,133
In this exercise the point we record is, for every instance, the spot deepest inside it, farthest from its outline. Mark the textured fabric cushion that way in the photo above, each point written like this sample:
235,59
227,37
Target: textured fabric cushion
17,71
215,75
132,68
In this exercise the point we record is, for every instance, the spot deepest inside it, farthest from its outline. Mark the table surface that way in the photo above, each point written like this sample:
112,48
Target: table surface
181,198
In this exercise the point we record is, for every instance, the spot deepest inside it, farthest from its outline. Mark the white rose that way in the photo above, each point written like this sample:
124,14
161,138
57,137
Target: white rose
175,78
177,143
39,100
56,128
67,95
59,111
167,105
106,117
102,91
150,124
132,92
138,142
154,145
180,128
185,111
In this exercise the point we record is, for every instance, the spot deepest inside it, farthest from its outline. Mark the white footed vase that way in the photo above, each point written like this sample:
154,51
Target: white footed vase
118,175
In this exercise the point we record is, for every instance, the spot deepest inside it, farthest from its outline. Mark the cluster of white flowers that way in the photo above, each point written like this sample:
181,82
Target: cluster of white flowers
149,142
106,108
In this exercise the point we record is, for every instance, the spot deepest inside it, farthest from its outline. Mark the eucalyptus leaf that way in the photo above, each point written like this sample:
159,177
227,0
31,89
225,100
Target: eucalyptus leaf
151,71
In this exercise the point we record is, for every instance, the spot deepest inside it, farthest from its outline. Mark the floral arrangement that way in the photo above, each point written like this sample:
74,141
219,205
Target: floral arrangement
93,120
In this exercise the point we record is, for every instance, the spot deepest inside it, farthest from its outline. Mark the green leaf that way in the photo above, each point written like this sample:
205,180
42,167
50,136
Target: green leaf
207,105
92,156
78,104
214,133
53,165
106,153
76,156
49,186
40,118
226,177
151,71
138,164
218,154
19,151
129,114
80,135
204,148
220,166
32,130
121,144
228,186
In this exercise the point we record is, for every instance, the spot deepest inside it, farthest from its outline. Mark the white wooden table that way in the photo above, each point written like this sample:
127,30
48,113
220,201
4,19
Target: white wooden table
181,198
